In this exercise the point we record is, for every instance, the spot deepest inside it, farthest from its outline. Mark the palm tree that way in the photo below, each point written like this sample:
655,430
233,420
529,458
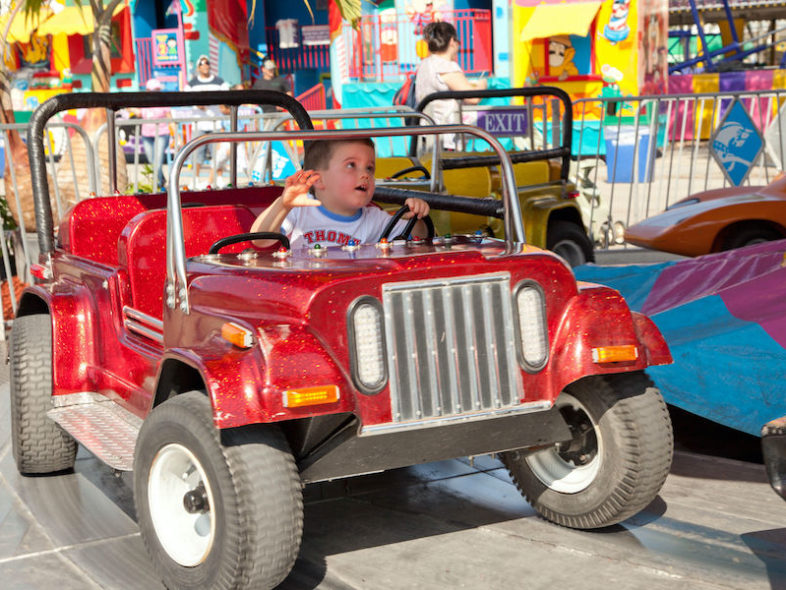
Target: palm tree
100,77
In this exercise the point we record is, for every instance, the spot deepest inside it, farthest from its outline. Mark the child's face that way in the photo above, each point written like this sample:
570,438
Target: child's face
347,184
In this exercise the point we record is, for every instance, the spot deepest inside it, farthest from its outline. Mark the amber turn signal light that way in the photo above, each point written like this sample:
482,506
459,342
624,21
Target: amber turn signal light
237,335
615,354
310,396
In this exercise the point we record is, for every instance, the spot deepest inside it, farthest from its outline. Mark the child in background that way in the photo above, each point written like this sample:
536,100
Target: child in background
341,175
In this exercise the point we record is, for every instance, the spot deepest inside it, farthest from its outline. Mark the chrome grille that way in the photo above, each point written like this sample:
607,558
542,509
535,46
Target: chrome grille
451,347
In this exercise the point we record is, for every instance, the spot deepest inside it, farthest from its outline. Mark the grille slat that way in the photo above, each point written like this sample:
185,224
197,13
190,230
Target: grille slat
453,347
491,367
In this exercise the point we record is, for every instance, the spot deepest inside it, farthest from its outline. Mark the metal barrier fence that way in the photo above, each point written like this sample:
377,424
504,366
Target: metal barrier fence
18,246
632,157
635,156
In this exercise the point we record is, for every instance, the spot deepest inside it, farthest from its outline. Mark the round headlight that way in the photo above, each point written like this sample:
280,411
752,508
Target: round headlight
532,328
367,343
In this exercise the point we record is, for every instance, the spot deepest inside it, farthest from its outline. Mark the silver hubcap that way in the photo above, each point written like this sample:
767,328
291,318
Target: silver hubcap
181,503
569,473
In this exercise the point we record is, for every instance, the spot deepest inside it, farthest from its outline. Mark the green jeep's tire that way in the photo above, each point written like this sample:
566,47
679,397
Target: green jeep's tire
40,445
570,241
615,464
216,510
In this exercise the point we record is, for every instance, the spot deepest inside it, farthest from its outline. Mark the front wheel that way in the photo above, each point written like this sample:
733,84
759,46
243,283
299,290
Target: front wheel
615,463
215,510
570,241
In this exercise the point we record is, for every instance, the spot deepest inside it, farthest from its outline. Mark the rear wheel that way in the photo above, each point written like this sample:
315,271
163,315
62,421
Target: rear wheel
749,235
216,510
570,241
40,445
614,465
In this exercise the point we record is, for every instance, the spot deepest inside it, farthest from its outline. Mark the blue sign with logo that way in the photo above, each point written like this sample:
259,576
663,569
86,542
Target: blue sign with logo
736,144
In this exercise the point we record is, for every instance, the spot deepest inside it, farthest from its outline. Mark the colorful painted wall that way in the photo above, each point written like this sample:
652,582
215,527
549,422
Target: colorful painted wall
591,48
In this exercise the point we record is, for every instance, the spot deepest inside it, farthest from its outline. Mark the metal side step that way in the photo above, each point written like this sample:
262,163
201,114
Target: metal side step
100,425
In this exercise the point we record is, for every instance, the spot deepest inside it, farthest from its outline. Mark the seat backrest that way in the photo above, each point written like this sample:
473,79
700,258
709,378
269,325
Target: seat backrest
91,228
142,246
469,182
528,173
386,167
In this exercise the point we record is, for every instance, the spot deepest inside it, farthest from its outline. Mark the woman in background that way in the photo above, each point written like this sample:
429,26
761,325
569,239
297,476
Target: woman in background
439,72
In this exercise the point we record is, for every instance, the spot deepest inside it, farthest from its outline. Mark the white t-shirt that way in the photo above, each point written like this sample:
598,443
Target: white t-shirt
429,80
306,226
199,84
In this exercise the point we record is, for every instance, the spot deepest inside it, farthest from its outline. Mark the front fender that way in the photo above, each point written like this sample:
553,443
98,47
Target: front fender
247,386
536,213
599,317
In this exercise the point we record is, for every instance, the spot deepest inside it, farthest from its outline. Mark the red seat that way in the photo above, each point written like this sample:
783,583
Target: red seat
91,227
142,247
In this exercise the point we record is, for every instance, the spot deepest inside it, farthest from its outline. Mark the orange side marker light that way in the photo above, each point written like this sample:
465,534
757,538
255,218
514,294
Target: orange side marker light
237,335
615,354
310,396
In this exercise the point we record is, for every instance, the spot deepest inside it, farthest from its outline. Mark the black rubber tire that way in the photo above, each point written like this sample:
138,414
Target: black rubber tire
40,445
570,241
257,497
748,235
632,424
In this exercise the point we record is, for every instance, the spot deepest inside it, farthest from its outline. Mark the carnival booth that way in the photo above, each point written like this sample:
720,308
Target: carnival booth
591,48
52,51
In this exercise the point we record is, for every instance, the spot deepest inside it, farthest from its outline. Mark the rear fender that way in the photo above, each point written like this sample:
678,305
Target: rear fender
247,386
599,317
539,210
73,329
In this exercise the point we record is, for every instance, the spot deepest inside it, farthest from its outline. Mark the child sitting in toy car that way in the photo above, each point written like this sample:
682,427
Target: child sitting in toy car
341,175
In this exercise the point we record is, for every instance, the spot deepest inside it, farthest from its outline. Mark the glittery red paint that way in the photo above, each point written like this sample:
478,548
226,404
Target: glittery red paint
112,255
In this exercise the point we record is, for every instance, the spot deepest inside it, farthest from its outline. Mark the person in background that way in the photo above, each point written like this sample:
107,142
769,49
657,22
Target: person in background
156,136
271,80
440,72
204,80
224,149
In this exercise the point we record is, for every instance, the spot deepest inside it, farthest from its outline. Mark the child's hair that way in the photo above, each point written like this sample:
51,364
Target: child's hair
318,152
438,36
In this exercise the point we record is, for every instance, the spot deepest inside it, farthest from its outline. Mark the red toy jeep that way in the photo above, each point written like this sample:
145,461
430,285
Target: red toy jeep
227,378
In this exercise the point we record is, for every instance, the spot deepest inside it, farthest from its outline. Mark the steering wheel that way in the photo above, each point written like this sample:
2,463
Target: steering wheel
247,237
410,224
415,168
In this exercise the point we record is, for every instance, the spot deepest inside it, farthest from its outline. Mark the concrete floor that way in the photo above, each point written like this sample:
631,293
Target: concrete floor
452,524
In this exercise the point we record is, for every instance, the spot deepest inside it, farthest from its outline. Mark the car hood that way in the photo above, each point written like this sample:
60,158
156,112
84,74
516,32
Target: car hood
285,289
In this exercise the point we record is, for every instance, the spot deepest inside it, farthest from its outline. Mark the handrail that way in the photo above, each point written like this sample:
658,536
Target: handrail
114,102
176,283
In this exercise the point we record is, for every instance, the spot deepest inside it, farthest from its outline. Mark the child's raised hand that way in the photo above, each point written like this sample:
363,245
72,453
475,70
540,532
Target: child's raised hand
296,190
417,208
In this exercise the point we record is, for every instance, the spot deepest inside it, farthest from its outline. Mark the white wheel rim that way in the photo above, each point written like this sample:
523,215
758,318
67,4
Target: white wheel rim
561,475
186,537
